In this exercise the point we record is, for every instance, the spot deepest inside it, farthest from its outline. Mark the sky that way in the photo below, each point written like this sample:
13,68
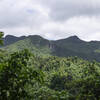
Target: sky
52,19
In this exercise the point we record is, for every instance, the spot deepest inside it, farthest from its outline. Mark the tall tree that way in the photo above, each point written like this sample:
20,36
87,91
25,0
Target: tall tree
1,36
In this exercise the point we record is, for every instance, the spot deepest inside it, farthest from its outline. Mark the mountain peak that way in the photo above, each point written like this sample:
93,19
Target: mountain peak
10,36
74,37
35,36
9,39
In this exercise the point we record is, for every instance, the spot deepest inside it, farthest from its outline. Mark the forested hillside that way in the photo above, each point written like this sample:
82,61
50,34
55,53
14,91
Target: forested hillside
24,76
35,74
72,46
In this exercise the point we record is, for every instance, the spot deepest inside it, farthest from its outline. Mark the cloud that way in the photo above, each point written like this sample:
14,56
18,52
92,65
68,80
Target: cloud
52,19
61,10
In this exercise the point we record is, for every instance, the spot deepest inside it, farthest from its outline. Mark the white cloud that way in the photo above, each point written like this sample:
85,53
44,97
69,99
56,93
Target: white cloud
53,19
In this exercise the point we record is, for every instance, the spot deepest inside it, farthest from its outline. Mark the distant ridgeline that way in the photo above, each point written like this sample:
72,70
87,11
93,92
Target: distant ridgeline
71,46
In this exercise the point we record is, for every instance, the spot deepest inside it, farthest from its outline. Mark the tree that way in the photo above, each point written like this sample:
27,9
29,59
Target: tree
15,74
58,82
1,36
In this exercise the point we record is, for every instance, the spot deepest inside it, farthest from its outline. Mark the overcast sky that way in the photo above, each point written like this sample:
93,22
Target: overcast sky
52,19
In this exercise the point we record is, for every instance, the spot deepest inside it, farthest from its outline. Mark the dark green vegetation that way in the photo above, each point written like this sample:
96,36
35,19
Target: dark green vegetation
71,46
15,74
24,76
35,74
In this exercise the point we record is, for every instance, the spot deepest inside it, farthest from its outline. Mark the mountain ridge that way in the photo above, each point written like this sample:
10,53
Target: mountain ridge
71,46
72,36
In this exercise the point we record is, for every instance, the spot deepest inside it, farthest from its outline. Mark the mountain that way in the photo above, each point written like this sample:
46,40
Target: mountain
9,39
72,46
35,44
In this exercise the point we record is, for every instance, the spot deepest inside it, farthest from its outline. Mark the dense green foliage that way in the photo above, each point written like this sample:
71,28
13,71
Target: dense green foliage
41,76
15,74
1,36
24,76
71,46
